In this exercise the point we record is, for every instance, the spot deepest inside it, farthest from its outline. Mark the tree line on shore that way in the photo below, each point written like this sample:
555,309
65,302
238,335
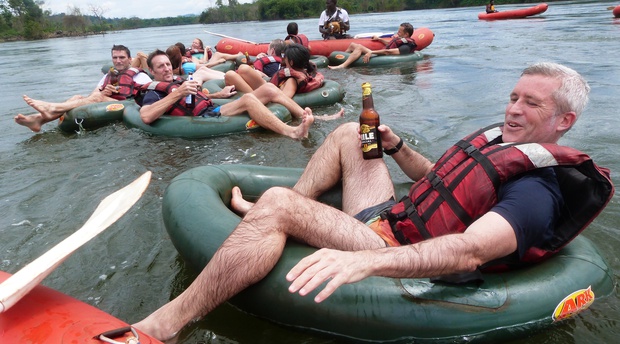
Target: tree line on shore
27,20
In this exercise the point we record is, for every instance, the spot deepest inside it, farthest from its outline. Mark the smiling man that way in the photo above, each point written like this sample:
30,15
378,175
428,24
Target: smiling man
129,81
167,96
503,195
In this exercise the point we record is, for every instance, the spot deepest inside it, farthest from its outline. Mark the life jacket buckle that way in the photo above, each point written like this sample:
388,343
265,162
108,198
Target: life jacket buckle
470,149
435,181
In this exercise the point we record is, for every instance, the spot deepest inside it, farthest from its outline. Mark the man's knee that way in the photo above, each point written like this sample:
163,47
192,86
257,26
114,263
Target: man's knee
279,198
346,132
229,77
249,101
268,91
244,69
348,128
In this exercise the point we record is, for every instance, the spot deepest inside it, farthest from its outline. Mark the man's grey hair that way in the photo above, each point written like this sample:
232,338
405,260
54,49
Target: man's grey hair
572,95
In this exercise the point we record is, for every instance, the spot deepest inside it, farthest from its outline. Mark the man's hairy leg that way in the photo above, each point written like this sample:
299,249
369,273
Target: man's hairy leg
253,249
365,182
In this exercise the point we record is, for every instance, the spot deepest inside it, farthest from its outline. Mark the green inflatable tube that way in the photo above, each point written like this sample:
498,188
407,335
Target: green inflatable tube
338,57
330,93
93,116
198,127
505,306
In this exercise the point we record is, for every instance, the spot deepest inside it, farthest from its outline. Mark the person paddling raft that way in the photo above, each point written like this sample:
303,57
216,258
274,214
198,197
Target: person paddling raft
491,7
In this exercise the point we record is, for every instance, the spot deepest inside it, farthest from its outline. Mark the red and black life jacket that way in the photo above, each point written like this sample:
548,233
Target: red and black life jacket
261,63
190,52
464,183
398,41
127,88
299,39
305,81
179,108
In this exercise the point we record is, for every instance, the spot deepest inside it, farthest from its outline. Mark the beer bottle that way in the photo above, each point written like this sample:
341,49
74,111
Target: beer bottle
190,100
113,77
248,60
369,122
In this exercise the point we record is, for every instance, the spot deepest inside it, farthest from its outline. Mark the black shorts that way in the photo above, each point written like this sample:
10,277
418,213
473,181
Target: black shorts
211,111
374,211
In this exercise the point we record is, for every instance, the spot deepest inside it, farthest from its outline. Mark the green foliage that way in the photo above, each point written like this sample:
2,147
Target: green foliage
289,9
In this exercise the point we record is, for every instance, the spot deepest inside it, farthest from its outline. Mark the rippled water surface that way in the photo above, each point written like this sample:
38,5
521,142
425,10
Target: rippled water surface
51,182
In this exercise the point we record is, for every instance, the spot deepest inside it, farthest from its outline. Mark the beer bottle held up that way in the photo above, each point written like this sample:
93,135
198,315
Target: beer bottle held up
190,100
369,122
113,77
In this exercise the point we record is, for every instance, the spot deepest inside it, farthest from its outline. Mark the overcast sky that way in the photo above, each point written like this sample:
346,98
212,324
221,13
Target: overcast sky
133,8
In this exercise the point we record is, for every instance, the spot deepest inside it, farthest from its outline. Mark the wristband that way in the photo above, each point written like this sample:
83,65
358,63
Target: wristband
396,148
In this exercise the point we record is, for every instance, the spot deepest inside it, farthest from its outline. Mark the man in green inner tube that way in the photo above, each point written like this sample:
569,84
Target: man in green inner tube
400,44
170,100
522,213
104,92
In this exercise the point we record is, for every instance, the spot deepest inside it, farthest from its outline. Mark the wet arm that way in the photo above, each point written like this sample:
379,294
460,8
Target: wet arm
488,238
414,164
150,113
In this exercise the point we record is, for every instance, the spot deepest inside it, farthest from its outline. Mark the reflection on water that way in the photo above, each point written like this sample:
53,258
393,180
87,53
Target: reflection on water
51,182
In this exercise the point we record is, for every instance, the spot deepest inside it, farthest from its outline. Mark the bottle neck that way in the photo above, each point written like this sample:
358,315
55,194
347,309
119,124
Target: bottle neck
367,102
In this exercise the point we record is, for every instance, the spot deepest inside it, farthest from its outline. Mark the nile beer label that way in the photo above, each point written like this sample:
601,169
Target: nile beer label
369,138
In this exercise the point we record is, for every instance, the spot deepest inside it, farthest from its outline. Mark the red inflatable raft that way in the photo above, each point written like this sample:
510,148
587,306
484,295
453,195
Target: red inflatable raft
422,36
47,316
616,11
514,14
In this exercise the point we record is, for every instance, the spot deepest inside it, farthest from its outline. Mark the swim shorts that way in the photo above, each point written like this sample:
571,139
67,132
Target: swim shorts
211,111
372,218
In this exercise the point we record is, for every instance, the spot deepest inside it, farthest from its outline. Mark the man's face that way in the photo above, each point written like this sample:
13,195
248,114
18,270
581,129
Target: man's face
120,60
531,112
162,68
401,32
330,4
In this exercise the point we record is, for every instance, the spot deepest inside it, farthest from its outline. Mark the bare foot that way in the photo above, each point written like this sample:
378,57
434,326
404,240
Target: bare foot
32,122
238,204
326,117
301,132
47,110
335,67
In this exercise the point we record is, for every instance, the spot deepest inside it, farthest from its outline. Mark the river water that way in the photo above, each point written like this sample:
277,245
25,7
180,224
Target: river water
51,182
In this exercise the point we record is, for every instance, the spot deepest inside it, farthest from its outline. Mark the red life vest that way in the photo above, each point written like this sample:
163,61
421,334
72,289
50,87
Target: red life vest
260,64
305,81
179,108
127,88
463,186
190,52
398,41
299,39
